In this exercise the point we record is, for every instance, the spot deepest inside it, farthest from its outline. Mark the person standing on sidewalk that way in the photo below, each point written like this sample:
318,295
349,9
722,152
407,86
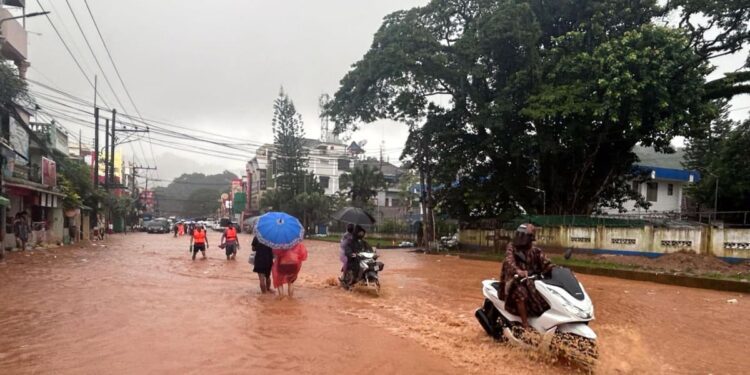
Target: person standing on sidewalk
199,242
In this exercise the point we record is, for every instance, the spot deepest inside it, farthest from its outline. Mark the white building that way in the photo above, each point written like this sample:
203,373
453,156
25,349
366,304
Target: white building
668,178
328,160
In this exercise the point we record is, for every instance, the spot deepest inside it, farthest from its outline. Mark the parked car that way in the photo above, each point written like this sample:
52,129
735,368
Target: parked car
157,226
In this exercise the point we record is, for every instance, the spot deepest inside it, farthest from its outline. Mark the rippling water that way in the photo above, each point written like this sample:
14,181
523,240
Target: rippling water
140,305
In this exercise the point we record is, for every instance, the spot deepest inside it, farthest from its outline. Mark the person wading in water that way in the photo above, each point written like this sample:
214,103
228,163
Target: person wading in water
523,259
199,242
262,264
229,241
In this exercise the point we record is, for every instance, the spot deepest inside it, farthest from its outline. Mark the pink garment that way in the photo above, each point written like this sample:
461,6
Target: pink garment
287,264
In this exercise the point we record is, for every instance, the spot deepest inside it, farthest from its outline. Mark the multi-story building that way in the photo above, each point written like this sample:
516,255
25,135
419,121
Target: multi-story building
29,173
327,161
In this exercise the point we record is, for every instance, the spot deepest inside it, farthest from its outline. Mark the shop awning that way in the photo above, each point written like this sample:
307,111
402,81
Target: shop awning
34,188
4,201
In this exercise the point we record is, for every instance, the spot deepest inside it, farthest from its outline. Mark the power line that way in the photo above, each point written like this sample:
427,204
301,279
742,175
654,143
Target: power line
96,59
111,59
67,48
122,81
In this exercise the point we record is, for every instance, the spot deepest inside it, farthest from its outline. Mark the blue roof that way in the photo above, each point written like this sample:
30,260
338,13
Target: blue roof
671,173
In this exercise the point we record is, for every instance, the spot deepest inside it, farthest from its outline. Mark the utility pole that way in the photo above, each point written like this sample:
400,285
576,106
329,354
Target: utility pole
135,174
106,153
112,152
95,157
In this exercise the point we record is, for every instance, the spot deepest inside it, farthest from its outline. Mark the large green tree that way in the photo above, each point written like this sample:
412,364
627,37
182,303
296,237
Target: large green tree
291,156
362,184
201,202
721,158
504,96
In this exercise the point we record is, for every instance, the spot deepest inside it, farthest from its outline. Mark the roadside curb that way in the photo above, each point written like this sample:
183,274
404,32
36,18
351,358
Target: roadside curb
655,277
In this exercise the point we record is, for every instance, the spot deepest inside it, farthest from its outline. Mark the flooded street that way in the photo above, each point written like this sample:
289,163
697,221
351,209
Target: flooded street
138,304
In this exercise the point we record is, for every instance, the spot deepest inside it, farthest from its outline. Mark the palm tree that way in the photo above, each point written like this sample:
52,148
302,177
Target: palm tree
362,184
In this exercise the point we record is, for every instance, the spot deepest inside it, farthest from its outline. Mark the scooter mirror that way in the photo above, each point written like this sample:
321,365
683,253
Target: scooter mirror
568,253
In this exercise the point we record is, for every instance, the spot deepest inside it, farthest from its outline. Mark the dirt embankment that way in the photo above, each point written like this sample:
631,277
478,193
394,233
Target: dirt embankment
680,262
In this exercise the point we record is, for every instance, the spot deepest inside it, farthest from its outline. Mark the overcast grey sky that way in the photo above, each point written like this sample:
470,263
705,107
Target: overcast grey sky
216,66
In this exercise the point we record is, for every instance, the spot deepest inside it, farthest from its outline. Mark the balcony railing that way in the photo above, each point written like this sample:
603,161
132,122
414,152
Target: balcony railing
13,37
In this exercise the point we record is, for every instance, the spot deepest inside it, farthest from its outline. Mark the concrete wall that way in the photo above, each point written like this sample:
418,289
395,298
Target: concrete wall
731,244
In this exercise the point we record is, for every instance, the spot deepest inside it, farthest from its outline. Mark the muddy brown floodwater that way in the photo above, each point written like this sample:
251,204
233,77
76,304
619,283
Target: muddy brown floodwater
139,305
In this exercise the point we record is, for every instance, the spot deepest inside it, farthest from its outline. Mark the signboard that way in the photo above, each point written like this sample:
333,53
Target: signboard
49,172
147,197
236,185
240,200
9,157
19,141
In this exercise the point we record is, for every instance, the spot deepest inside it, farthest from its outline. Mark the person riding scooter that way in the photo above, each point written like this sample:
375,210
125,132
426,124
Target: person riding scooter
354,247
523,259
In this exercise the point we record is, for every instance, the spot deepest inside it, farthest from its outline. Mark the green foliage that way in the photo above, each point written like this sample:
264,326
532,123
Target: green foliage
171,198
74,178
291,156
552,95
362,184
201,202
391,226
71,197
310,208
722,155
12,87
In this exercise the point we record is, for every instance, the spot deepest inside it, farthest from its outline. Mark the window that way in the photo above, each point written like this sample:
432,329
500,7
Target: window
344,165
324,181
395,202
670,189
652,189
636,187
386,202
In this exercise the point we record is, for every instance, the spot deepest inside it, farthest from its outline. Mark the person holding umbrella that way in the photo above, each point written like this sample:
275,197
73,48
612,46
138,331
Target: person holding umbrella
284,234
262,264
351,241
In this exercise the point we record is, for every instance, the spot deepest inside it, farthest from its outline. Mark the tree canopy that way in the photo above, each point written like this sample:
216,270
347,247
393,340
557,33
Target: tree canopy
12,87
722,157
362,184
506,98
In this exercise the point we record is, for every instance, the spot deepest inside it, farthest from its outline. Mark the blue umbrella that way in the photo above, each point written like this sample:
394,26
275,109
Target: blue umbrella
278,230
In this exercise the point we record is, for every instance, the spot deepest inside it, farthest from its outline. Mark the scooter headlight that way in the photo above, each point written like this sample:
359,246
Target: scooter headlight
570,307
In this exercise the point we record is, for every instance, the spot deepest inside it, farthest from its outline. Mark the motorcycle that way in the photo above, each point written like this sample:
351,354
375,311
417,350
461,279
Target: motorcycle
448,243
367,273
563,329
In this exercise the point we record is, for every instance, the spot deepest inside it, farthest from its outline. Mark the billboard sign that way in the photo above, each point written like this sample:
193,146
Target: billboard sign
19,141
49,172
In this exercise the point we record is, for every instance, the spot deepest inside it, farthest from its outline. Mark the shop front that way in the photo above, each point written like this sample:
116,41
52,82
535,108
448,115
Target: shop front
43,208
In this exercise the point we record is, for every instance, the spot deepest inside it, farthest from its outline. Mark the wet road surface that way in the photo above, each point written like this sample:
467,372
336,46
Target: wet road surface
139,305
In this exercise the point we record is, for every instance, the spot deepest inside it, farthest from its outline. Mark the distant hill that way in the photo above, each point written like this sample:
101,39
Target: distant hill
179,198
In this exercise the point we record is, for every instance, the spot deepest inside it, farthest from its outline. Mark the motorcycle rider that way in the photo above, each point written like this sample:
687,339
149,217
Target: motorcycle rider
352,248
523,259
346,239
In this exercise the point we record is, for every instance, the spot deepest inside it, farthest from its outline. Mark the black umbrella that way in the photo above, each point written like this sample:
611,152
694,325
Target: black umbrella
354,215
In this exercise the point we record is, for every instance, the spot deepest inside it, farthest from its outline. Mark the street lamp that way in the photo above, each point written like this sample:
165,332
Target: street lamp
544,198
34,14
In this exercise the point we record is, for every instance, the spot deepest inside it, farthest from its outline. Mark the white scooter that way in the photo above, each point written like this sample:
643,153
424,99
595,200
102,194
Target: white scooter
368,272
563,327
